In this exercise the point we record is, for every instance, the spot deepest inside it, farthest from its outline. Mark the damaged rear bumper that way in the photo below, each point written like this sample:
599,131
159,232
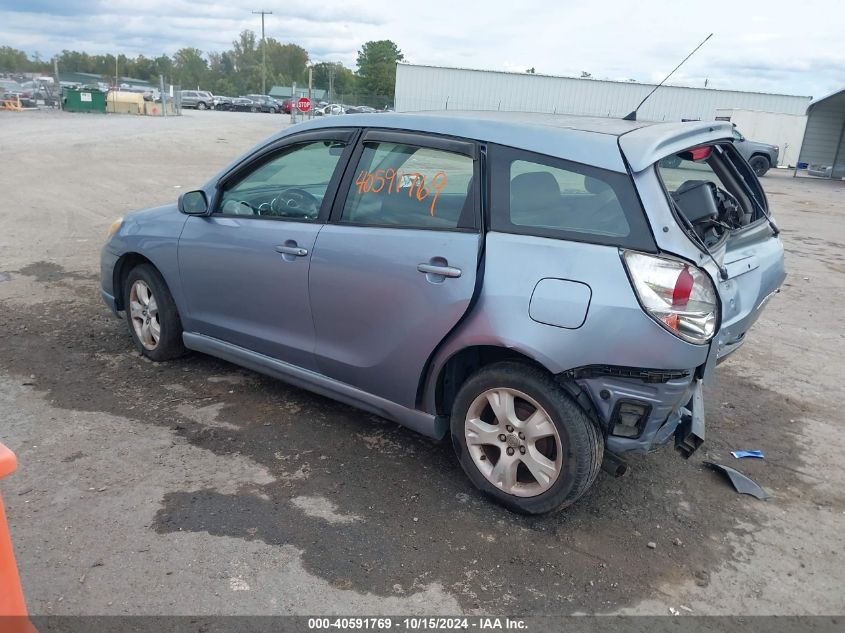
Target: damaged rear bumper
643,413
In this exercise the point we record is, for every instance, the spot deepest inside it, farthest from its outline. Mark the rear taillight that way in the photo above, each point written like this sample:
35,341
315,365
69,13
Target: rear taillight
679,296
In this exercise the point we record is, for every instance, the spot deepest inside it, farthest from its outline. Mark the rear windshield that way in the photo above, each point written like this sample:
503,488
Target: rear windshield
541,195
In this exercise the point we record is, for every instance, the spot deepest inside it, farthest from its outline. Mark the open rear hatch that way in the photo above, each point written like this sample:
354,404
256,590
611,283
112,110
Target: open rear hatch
721,205
718,202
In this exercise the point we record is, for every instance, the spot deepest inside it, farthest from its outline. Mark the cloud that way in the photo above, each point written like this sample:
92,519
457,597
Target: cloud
773,49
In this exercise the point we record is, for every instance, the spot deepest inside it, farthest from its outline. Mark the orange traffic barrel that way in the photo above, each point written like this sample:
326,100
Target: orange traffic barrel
13,616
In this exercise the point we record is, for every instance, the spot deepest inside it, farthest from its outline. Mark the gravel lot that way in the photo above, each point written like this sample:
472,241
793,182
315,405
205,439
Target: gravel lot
196,487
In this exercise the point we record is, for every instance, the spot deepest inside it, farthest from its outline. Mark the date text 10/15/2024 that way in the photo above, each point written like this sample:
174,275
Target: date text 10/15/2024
418,624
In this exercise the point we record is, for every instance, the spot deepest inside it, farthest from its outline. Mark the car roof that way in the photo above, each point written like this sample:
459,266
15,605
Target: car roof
589,140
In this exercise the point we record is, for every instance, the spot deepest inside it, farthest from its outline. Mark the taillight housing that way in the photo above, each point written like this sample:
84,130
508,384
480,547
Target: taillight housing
679,296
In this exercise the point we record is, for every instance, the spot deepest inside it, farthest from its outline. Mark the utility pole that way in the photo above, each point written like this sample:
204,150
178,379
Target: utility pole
263,52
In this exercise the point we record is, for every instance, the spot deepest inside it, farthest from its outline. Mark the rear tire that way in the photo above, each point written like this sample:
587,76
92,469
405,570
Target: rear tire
546,432
151,314
760,165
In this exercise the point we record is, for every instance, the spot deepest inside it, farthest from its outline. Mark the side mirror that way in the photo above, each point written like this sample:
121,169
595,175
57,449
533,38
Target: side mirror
193,203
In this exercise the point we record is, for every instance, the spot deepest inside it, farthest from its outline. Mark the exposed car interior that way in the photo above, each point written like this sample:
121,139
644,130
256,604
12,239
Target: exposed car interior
706,188
290,185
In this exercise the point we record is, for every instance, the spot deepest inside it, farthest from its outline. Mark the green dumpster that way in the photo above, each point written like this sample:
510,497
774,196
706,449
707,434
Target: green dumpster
84,100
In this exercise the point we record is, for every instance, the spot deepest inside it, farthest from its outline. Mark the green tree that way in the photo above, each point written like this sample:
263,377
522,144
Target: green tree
286,63
13,60
246,64
190,69
164,68
335,75
377,67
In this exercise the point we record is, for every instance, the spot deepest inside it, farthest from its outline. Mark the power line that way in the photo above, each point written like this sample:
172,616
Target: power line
263,52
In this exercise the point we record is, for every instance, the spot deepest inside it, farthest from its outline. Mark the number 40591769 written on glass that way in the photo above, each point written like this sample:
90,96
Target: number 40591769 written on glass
390,181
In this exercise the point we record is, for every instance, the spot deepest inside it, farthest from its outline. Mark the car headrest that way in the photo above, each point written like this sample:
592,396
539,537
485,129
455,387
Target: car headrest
534,191
594,185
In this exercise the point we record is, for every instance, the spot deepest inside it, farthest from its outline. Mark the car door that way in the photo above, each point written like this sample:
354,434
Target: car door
395,270
244,266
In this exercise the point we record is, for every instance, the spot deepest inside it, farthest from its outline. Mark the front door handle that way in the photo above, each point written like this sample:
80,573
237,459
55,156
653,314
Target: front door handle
435,269
297,251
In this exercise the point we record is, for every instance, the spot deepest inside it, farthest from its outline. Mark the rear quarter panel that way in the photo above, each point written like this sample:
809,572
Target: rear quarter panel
615,331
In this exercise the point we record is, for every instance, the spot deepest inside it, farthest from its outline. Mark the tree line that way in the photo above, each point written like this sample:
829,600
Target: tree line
232,72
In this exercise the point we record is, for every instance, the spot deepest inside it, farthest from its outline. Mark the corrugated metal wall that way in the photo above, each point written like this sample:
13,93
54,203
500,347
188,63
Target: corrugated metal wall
436,88
824,142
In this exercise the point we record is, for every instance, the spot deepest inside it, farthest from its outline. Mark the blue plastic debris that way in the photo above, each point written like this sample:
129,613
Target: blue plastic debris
738,454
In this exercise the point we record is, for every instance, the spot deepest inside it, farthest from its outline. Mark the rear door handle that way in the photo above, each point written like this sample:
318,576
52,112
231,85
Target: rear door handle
297,251
434,269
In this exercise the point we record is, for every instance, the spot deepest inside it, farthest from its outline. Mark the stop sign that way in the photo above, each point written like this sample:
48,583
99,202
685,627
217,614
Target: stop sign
303,104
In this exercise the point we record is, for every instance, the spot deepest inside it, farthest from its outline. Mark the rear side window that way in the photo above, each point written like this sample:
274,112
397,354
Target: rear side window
541,195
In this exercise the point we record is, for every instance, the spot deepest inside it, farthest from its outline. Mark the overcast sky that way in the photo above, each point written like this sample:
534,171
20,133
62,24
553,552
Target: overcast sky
772,46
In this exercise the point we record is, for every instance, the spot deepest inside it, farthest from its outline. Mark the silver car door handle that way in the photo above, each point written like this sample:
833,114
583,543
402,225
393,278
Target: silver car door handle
434,269
298,251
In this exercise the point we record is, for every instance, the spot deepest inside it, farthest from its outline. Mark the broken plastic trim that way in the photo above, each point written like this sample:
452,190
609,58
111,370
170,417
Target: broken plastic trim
646,375
741,483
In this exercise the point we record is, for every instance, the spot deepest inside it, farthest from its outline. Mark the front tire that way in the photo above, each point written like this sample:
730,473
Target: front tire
151,314
551,452
760,165
201,106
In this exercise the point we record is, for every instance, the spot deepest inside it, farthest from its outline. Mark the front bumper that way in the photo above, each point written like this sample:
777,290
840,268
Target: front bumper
110,302
108,261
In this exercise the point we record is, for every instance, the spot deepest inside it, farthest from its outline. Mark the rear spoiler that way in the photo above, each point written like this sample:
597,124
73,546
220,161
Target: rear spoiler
646,145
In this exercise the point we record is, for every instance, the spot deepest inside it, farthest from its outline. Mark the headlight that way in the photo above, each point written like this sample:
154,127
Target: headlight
115,227
677,295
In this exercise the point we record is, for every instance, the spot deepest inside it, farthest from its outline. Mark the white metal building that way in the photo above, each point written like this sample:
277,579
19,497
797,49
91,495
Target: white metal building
439,88
823,149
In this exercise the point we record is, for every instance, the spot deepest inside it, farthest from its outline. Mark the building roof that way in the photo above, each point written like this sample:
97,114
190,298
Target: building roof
596,79
838,95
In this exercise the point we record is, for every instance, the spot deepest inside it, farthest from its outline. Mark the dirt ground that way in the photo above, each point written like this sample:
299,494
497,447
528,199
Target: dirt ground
197,487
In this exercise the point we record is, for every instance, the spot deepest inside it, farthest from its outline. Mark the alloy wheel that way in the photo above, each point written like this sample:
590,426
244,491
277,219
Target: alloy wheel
513,442
143,310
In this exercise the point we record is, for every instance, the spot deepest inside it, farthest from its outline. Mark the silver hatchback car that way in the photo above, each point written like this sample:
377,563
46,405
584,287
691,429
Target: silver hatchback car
550,291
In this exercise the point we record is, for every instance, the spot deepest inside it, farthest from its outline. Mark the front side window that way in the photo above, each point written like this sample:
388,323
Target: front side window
551,197
410,186
291,184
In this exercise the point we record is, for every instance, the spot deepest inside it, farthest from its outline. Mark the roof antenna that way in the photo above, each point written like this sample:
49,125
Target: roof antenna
632,116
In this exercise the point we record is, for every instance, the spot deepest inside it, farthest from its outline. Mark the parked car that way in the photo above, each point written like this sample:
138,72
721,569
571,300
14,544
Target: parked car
570,319
242,104
361,110
287,106
330,110
199,99
761,156
12,89
222,103
265,103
